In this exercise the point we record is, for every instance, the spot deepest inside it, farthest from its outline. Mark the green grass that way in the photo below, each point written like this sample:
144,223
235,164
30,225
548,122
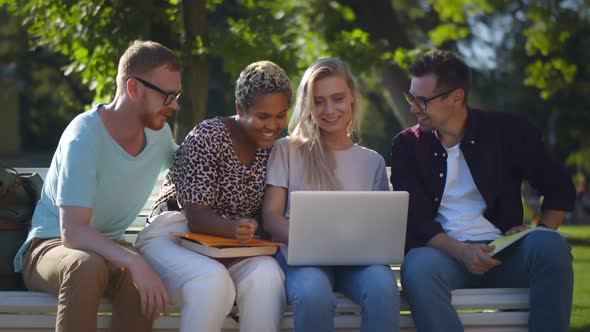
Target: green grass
579,237
576,232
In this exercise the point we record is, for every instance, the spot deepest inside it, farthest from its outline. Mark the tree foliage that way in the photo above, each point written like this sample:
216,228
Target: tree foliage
91,34
47,99
545,25
528,55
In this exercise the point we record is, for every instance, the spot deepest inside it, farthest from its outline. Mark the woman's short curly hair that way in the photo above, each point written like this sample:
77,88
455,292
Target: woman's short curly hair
260,78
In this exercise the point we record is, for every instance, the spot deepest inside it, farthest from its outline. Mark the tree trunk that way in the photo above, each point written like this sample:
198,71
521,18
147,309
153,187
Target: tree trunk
195,75
394,80
386,26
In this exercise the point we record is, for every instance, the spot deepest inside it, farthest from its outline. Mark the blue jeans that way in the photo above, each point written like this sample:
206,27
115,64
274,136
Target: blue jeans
310,292
541,261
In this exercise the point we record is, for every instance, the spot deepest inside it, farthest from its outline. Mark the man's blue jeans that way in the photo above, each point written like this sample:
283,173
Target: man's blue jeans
541,261
310,292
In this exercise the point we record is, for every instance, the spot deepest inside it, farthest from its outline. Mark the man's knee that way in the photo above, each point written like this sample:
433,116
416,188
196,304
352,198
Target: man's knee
85,269
426,270
124,284
548,248
421,265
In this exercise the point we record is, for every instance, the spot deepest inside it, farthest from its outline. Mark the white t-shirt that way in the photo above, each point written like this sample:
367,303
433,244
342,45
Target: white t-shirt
357,168
89,169
462,206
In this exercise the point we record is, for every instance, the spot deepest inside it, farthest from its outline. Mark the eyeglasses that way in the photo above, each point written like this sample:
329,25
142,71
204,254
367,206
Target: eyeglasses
422,102
168,96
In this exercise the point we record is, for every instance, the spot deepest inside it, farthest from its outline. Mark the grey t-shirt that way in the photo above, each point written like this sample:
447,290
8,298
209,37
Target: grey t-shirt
357,168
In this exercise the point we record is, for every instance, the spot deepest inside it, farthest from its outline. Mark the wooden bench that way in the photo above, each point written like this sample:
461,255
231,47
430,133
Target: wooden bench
491,309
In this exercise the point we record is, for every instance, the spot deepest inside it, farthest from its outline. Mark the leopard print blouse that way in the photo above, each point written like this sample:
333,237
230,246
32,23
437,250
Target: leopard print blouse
206,171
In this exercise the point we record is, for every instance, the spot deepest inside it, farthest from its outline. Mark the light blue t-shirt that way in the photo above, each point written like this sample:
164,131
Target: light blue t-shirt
89,169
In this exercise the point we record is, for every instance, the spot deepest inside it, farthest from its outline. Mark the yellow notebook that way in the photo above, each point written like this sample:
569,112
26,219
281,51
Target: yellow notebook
505,241
221,247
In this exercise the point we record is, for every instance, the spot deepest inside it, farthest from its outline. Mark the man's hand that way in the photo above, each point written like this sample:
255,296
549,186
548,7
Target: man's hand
517,229
475,258
154,299
245,229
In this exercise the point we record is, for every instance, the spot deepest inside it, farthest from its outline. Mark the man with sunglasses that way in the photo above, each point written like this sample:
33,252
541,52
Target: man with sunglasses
100,177
463,169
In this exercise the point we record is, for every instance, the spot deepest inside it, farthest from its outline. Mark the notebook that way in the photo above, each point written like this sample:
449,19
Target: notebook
221,247
347,227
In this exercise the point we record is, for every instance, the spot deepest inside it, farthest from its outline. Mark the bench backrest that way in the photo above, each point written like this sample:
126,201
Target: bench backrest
141,218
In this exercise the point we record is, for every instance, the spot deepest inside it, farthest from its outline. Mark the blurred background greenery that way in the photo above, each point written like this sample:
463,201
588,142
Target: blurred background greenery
57,57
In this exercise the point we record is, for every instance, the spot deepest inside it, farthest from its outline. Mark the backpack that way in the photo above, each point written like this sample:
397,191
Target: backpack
19,193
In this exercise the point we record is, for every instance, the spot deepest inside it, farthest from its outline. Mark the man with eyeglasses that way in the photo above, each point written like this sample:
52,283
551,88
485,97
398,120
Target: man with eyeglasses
463,169
100,177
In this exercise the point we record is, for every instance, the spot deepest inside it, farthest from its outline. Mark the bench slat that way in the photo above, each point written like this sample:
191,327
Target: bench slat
476,299
46,322
505,321
491,298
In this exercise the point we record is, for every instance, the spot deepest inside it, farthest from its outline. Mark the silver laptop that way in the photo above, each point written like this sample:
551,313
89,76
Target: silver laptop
347,227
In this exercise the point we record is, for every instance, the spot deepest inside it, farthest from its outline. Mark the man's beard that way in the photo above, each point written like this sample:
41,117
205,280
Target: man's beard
152,120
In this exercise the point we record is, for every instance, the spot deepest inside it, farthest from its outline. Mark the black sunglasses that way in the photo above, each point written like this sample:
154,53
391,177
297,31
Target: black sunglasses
422,102
169,96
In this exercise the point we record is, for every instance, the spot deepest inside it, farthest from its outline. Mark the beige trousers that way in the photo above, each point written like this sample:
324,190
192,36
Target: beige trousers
80,279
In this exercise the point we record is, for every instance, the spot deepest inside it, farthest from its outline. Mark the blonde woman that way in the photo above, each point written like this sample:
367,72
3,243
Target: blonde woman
319,154
215,186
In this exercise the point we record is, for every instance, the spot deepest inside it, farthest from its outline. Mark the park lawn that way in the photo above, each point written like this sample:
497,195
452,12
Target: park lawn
577,232
579,237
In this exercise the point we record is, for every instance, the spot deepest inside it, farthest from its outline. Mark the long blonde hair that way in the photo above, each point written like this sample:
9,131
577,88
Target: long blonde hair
317,171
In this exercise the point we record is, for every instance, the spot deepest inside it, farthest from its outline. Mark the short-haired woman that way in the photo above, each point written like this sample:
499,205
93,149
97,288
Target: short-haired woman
215,187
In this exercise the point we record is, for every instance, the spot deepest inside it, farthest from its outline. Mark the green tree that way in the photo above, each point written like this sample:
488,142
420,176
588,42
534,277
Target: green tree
83,32
47,99
540,71
537,70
